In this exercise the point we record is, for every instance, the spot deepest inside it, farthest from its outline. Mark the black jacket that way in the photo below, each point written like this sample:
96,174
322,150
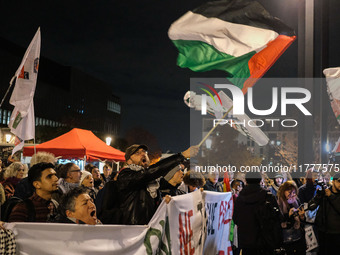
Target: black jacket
244,214
307,192
328,216
23,189
131,203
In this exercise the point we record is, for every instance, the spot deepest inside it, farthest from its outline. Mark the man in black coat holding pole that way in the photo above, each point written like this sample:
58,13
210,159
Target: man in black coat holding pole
134,197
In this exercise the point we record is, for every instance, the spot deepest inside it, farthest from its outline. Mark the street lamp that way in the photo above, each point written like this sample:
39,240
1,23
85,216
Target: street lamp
8,138
108,140
208,143
328,147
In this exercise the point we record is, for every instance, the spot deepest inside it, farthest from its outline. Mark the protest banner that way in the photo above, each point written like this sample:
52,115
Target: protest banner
176,228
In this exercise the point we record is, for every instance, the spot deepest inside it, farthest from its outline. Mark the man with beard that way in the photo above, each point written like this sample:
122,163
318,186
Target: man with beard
40,207
135,196
328,217
274,185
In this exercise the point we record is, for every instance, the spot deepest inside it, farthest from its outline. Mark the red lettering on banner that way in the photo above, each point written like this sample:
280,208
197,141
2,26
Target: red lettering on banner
229,251
223,214
22,73
185,234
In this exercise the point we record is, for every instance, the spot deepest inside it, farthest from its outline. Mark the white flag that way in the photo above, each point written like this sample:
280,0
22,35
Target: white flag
194,100
333,89
22,119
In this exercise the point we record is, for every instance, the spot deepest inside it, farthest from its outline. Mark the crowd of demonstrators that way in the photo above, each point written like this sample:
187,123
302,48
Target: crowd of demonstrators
322,199
65,194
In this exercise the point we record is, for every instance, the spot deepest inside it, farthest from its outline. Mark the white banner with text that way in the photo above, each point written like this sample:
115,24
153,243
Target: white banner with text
195,223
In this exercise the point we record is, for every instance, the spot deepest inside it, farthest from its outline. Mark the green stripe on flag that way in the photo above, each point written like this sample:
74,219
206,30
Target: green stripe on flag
200,57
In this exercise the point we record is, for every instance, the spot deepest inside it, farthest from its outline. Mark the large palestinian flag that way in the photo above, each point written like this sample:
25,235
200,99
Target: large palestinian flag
237,36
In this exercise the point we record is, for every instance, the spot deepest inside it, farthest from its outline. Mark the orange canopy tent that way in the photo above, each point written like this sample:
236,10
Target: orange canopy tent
78,143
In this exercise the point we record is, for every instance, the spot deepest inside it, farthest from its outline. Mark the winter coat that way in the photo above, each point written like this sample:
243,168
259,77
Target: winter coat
307,192
24,189
213,187
244,214
9,186
133,204
328,216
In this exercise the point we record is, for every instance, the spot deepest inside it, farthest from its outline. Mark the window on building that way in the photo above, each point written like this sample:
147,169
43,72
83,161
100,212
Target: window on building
4,116
113,107
8,116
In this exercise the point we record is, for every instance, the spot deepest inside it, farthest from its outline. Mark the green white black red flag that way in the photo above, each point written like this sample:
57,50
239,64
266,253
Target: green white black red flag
236,36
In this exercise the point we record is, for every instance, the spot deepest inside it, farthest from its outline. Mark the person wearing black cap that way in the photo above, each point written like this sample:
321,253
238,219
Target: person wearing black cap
135,195
328,217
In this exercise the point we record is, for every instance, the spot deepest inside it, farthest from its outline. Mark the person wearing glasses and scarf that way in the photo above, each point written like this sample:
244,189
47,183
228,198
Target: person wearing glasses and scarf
69,177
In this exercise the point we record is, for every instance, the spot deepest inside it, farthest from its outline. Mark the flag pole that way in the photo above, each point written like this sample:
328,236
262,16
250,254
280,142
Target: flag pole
10,85
211,130
35,149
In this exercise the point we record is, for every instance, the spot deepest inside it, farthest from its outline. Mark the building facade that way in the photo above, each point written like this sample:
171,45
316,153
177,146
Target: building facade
65,96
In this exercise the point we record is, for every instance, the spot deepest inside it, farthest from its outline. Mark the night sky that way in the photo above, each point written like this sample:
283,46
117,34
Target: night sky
125,44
